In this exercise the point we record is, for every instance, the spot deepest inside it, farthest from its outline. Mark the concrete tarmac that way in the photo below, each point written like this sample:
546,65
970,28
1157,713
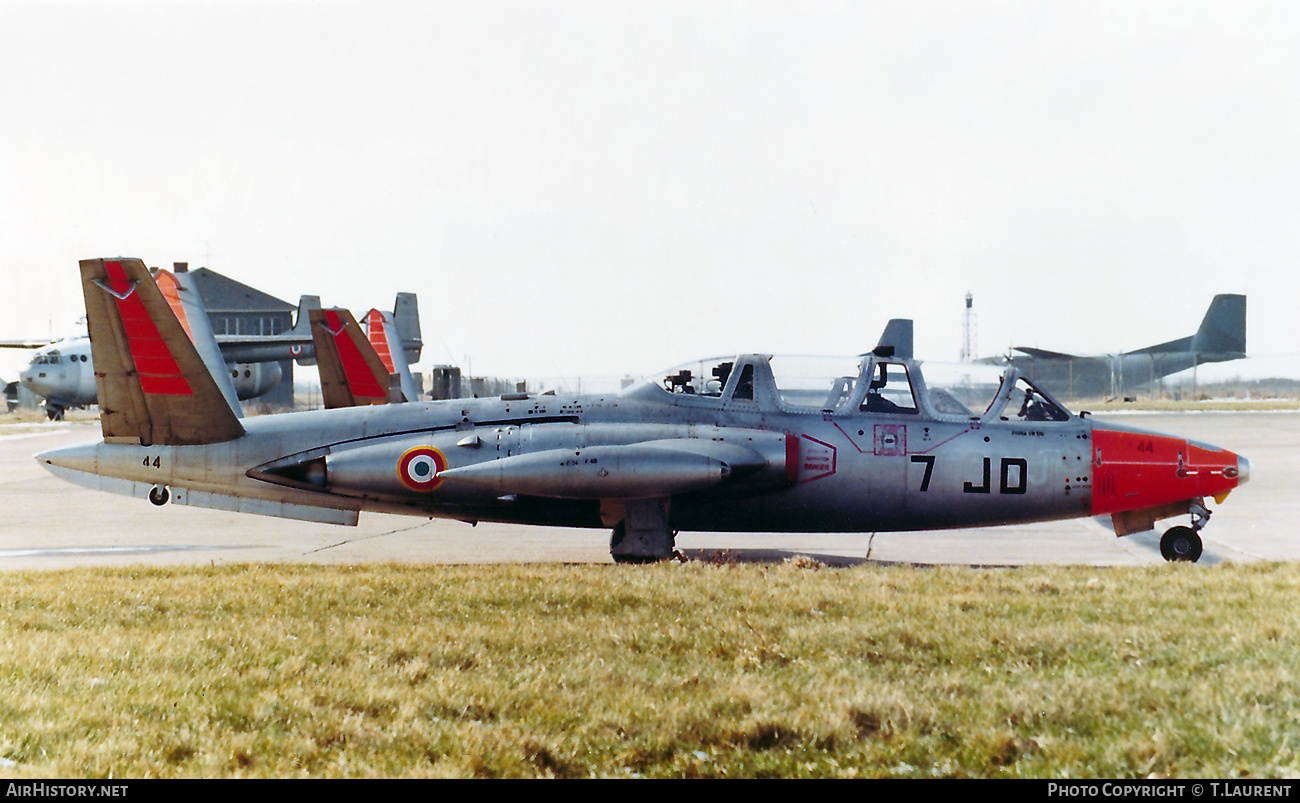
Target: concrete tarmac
46,523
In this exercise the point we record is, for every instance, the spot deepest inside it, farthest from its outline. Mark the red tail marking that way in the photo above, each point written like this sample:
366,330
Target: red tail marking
379,339
362,381
170,287
154,363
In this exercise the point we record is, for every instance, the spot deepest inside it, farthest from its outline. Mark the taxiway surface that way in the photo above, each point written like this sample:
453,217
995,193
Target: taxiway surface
48,523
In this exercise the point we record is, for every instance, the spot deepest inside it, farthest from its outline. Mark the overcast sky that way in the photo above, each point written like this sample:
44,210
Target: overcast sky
608,187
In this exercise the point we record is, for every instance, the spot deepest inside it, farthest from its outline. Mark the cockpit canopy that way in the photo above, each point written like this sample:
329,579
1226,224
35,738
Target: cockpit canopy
852,385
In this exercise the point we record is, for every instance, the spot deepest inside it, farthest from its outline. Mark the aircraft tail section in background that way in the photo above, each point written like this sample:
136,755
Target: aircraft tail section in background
1220,338
382,330
898,336
302,328
153,386
1223,331
351,371
406,319
188,308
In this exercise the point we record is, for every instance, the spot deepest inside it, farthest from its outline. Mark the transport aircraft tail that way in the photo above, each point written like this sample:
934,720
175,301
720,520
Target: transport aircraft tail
1221,336
406,318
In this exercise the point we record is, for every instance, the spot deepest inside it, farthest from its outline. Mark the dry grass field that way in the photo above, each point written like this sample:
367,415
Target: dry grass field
706,669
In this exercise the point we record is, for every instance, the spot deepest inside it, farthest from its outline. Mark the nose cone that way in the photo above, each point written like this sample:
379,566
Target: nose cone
1135,469
41,380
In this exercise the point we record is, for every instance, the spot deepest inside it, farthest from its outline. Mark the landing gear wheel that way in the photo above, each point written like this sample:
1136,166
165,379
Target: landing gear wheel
159,495
1181,544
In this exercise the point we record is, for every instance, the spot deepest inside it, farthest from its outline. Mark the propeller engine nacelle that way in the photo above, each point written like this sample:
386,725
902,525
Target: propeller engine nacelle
254,379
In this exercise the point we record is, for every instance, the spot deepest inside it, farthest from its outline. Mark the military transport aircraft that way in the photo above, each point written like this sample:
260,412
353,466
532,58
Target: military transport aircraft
1221,337
746,443
63,372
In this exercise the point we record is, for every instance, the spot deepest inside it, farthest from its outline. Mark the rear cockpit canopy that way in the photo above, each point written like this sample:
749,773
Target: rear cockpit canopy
852,386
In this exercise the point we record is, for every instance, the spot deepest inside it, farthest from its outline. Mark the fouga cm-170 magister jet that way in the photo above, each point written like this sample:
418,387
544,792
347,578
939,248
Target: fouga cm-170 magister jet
747,443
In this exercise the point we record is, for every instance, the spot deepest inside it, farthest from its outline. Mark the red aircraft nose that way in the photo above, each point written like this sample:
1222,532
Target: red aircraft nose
1133,470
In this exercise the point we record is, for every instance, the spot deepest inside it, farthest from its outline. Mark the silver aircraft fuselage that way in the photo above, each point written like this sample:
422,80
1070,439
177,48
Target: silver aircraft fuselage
745,452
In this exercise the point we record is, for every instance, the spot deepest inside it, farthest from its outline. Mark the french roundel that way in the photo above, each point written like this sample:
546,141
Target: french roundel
418,468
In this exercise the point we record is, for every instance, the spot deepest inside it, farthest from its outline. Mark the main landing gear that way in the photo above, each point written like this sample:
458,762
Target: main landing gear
1184,543
643,536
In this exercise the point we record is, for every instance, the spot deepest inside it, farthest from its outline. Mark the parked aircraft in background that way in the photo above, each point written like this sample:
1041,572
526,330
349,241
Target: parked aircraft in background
746,443
63,374
385,332
359,368
1220,338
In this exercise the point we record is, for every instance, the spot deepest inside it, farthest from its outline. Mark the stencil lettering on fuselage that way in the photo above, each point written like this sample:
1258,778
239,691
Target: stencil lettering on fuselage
816,459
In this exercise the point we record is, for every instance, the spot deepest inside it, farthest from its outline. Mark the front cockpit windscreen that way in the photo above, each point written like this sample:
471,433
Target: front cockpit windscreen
1027,403
705,378
971,390
818,383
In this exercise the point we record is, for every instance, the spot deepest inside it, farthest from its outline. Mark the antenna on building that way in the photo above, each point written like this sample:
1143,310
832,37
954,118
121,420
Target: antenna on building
968,330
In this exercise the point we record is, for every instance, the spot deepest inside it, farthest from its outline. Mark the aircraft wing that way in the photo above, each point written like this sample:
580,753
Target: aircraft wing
351,372
153,387
1044,354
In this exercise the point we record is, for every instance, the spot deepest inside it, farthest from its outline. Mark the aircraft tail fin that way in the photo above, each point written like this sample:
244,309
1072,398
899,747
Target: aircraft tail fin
302,328
188,307
351,372
383,332
153,386
406,317
898,335
1223,330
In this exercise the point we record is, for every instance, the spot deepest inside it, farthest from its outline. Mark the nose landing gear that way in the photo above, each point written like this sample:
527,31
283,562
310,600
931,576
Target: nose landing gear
1184,543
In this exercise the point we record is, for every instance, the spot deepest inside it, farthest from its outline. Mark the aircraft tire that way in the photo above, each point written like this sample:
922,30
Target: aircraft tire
1182,544
159,495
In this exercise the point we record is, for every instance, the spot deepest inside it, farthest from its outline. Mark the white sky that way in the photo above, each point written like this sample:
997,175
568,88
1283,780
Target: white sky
604,187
